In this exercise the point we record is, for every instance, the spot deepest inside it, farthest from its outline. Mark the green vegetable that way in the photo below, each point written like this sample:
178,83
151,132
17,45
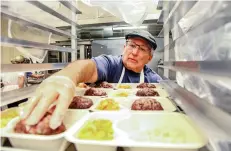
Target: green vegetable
100,129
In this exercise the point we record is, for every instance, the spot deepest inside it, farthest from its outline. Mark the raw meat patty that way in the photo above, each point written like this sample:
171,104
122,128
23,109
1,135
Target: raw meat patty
146,85
105,85
146,104
147,92
42,128
80,102
95,92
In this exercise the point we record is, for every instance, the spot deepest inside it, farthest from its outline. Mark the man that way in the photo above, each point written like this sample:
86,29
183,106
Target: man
60,87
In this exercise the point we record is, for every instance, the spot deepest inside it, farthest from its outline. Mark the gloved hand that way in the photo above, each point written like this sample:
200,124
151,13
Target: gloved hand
58,90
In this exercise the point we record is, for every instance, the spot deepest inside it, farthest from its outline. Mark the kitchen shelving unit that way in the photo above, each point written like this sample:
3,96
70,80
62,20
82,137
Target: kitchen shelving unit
199,109
15,95
212,119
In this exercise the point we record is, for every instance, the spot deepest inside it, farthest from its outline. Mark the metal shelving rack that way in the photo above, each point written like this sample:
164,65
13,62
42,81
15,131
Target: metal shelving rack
16,95
200,110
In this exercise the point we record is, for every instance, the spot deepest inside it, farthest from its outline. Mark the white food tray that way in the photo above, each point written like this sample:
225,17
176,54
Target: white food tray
134,85
119,100
4,114
165,103
132,92
126,124
112,92
41,142
125,104
94,99
81,91
89,145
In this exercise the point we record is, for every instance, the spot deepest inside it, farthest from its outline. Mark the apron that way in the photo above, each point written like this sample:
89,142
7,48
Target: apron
122,76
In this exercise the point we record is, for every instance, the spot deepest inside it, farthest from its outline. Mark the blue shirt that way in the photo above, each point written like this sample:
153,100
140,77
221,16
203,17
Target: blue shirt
110,69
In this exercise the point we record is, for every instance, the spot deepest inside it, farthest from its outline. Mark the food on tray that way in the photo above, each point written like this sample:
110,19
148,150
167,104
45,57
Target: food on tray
80,102
7,116
124,86
82,85
161,134
42,128
95,92
100,129
146,85
121,94
146,104
105,85
108,104
147,92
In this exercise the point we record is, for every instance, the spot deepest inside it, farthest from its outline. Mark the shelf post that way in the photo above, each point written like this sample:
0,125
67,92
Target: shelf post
73,32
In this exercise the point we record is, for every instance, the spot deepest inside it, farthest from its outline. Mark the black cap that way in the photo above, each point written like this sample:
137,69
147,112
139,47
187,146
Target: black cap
145,35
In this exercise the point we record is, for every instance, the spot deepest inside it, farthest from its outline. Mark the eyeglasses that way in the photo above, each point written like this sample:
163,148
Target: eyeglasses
132,45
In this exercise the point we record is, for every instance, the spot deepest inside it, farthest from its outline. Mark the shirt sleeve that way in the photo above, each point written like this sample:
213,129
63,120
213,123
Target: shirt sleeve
154,77
158,78
105,66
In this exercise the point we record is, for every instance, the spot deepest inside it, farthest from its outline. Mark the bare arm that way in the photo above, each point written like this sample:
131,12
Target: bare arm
80,71
36,76
21,81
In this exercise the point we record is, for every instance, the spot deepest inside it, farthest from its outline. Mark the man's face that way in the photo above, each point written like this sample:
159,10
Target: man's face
137,53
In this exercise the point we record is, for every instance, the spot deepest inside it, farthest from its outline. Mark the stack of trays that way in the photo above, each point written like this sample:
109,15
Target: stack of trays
101,119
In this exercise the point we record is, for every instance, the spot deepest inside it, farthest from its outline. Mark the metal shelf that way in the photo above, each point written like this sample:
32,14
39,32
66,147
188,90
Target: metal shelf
33,23
70,6
51,11
178,11
160,5
202,112
14,149
29,44
16,95
161,18
161,34
210,70
31,67
212,23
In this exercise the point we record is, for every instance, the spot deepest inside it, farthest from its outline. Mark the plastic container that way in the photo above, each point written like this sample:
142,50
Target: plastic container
9,113
89,145
121,93
94,99
41,142
134,128
134,85
5,114
132,92
81,91
129,128
165,103
118,100
125,104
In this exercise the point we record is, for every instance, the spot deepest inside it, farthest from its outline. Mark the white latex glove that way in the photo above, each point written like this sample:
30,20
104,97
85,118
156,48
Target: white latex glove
58,90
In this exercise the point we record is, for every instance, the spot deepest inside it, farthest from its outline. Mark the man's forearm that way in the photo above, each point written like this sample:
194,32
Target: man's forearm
21,80
80,71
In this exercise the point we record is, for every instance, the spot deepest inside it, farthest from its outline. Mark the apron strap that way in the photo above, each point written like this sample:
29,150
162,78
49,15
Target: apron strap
122,76
142,76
